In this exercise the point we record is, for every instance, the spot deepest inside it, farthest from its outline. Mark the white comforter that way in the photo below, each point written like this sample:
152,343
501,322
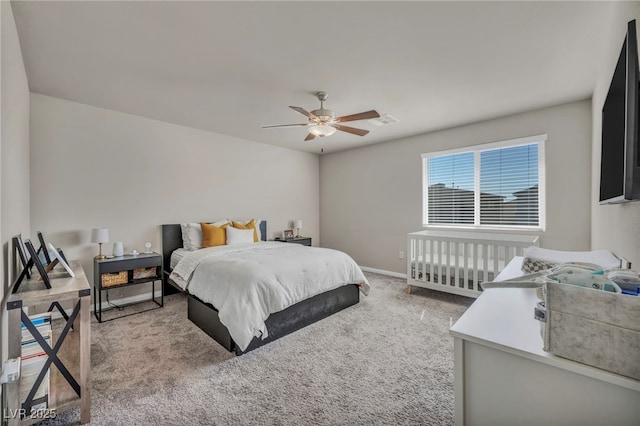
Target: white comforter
246,283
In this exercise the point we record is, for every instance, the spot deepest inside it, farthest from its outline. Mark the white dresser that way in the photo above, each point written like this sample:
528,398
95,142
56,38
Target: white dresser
503,377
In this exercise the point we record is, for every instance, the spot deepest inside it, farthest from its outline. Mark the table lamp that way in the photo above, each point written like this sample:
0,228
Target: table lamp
100,235
297,224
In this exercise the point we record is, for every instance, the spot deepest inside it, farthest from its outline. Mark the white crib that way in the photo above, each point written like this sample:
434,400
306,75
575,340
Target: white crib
459,261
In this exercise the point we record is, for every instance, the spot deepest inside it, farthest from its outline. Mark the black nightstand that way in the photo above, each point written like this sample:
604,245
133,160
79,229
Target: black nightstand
123,271
305,241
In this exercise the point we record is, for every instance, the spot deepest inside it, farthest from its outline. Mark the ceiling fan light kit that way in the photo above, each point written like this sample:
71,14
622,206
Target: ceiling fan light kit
322,130
323,122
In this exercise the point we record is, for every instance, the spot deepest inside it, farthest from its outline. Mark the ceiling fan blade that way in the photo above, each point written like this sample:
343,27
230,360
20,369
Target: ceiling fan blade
361,116
303,112
286,125
309,137
353,130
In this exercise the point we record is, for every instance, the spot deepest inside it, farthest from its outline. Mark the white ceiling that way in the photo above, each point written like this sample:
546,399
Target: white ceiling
231,67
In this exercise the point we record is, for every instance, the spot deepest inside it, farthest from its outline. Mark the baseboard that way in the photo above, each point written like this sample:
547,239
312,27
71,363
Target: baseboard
384,272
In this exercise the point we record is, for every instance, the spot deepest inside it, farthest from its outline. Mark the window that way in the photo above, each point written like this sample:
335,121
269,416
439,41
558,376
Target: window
493,185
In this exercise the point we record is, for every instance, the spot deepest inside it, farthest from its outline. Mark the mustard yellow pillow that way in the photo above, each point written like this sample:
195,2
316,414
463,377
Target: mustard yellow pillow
213,235
249,225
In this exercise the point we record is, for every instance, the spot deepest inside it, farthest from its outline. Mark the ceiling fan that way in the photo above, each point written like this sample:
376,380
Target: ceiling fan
323,122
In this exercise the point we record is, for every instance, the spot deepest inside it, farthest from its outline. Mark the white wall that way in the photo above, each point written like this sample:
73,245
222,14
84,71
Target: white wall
616,227
14,149
95,167
371,197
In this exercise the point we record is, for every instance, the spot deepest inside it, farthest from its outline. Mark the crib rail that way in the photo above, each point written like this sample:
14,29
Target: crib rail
459,261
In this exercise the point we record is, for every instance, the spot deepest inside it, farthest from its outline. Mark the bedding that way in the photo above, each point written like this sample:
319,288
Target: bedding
239,235
213,235
176,255
248,226
192,234
256,226
247,282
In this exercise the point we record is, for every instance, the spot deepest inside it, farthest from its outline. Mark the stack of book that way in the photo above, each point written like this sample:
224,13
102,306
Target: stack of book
33,359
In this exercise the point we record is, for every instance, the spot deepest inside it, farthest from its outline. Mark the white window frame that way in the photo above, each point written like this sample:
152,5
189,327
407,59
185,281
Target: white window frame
477,149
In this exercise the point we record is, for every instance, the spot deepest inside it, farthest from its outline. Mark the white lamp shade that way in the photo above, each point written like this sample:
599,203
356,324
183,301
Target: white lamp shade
100,235
297,223
322,130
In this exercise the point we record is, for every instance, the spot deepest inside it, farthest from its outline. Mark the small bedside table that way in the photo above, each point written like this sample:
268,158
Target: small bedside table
305,241
123,271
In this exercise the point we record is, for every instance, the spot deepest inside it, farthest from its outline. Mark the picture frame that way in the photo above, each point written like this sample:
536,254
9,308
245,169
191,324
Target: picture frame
22,254
43,249
287,234
39,266
61,260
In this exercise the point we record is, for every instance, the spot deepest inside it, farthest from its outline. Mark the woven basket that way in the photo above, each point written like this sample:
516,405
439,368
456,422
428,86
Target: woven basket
144,273
116,278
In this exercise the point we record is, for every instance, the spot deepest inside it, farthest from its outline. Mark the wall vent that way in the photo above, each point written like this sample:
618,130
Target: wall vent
383,120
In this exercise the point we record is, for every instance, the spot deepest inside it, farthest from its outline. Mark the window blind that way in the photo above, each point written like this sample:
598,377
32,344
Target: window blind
450,186
494,185
509,186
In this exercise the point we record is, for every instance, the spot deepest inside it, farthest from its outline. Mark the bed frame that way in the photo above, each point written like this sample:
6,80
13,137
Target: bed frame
279,324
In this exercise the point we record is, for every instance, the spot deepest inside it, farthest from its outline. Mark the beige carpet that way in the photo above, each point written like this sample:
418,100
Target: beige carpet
387,360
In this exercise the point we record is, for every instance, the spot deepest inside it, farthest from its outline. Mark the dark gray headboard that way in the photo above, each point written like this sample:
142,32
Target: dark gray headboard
172,239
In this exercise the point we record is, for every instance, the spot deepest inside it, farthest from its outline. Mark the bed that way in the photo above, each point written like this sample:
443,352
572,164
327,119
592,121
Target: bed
217,264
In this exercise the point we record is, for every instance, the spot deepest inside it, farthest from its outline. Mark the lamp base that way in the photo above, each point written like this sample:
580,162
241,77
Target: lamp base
100,256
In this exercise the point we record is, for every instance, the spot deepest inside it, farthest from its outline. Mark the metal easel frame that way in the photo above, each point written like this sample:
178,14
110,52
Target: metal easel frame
34,260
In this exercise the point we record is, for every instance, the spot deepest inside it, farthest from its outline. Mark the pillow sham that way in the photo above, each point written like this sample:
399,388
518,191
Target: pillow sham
239,236
256,222
249,225
192,234
213,235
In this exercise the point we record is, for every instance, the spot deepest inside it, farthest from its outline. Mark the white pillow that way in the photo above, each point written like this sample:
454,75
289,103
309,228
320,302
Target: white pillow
257,223
239,236
192,234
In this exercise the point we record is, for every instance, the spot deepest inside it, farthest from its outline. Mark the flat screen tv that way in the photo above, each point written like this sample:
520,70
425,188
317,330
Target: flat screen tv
620,163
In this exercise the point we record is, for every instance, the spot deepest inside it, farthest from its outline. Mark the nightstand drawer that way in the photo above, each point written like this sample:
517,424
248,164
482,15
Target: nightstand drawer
129,262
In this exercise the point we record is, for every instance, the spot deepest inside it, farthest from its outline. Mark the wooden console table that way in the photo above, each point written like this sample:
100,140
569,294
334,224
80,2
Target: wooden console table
503,377
69,355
